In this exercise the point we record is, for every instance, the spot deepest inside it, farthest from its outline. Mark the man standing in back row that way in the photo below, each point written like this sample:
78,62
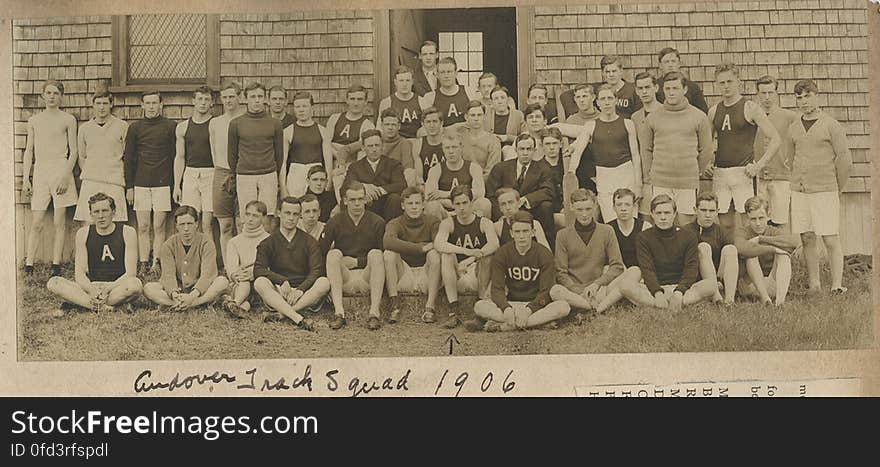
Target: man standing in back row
773,180
218,130
193,163
450,97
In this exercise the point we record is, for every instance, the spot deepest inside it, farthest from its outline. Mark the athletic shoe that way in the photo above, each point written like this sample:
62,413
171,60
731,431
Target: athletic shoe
495,326
272,317
28,269
55,271
233,311
317,306
127,308
337,323
473,325
394,316
839,290
307,324
452,322
428,316
373,323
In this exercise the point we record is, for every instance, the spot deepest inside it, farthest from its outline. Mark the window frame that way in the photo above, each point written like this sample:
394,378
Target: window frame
120,55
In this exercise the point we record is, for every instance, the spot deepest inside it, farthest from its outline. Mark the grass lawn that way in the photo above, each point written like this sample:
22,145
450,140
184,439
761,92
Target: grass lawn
819,323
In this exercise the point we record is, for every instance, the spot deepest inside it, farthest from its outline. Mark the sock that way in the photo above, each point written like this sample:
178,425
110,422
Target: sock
393,302
453,308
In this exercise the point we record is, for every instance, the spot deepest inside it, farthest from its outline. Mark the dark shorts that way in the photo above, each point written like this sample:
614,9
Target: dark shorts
225,204
415,261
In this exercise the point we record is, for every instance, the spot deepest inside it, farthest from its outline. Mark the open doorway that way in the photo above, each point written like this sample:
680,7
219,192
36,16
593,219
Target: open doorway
480,39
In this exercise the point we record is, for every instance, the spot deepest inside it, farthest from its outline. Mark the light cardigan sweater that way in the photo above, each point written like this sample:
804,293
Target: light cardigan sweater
100,150
676,146
820,159
181,269
241,251
514,122
579,265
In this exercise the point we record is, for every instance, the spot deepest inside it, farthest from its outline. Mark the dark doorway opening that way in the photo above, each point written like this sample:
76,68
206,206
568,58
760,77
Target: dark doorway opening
480,39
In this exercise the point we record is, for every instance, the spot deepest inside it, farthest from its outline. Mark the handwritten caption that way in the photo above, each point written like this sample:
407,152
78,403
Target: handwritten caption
333,381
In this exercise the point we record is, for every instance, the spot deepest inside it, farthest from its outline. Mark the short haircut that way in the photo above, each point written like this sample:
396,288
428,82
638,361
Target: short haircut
389,112
451,136
582,194
499,88
254,86
304,95
459,190
431,111
290,200
354,89
621,192
352,185
551,132
402,70
447,61
662,198
707,196
204,90
102,94
261,206
645,75
151,92
505,190
610,60
309,198
666,51
675,76
316,169
53,82
474,104
806,85
754,203
186,211
487,75
101,196
537,86
411,190
523,137
524,217
532,108
426,44
277,88
581,87
231,85
369,133
726,67
767,79
605,87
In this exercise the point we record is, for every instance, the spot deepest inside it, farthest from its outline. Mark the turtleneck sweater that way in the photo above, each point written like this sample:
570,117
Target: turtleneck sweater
241,251
256,144
668,257
407,236
399,149
149,152
676,145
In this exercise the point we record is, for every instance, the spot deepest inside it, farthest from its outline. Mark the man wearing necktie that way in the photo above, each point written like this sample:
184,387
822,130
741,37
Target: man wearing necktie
382,177
533,181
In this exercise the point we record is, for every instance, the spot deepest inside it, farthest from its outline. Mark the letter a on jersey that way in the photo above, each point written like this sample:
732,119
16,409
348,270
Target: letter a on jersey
453,112
726,124
105,253
346,131
407,116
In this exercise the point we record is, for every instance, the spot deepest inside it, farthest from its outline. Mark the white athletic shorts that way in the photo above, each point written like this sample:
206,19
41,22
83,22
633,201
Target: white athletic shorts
732,183
89,188
198,185
815,212
297,178
778,196
356,282
260,187
156,198
468,282
45,184
685,198
413,280
609,179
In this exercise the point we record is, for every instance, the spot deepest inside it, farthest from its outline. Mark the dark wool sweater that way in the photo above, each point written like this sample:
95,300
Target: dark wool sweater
352,240
407,236
256,144
668,257
523,278
149,152
298,261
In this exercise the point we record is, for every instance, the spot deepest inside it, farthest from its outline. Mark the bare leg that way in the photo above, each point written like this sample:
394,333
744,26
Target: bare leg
707,268
561,293
729,269
241,291
334,275
215,290
270,295
636,293
612,292
811,257
432,264
227,231
126,291
488,310
158,233
69,291
60,220
782,276
448,268
376,271
484,275
35,233
392,272
835,259
208,225
156,294
143,230
702,290
552,312
316,292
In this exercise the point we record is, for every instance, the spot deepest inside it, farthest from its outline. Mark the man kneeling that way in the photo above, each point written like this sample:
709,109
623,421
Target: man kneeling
766,250
589,266
105,262
189,267
670,263
523,271
287,269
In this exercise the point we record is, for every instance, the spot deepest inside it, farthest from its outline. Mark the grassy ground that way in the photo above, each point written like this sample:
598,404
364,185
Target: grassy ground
820,323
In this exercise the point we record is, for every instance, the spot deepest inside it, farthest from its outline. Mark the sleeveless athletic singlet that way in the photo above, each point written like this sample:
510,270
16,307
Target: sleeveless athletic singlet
106,254
450,179
611,143
347,131
410,114
307,145
736,136
430,155
198,145
453,107
467,236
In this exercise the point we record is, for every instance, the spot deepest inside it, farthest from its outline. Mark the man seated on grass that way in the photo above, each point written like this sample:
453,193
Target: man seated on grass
669,260
411,262
508,203
465,242
766,250
311,213
716,247
241,251
105,262
522,272
626,226
352,241
288,270
189,267
589,268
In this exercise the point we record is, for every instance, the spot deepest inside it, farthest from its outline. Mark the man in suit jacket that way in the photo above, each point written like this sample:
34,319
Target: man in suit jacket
382,177
533,181
425,76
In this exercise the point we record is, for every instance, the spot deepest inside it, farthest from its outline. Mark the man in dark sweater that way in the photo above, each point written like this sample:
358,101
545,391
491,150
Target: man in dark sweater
669,262
288,267
352,241
411,262
718,255
149,173
256,150
522,272
318,179
382,177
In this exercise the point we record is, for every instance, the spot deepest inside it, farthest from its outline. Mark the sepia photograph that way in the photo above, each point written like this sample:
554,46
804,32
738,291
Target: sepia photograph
422,182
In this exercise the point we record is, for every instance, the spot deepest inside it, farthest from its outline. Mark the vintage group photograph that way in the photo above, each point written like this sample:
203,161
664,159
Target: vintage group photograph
553,179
